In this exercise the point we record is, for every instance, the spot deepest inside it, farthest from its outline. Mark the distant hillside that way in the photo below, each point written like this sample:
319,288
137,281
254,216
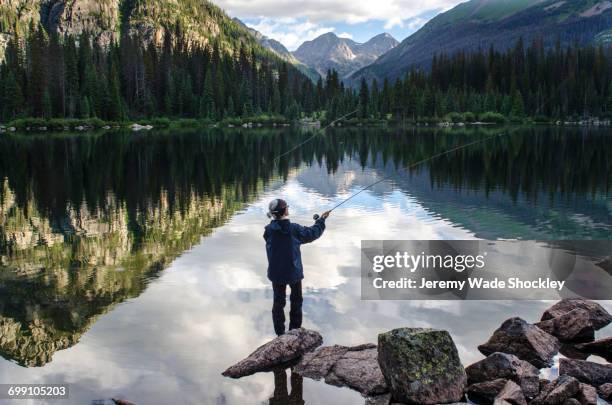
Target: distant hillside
173,58
498,23
342,54
196,21
280,50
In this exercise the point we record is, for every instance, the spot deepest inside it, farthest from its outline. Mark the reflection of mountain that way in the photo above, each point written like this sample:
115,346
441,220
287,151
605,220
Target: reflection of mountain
54,283
345,178
63,264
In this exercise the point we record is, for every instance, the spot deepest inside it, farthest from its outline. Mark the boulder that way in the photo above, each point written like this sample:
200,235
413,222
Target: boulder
571,401
318,363
587,395
384,399
525,341
282,350
586,371
571,352
557,392
511,394
574,326
602,347
354,367
359,370
605,391
421,366
599,316
486,391
508,366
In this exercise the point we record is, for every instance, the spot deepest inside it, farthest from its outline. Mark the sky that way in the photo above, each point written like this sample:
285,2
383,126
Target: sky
294,21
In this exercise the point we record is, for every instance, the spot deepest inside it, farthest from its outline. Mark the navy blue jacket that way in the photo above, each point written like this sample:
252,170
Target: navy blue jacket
283,241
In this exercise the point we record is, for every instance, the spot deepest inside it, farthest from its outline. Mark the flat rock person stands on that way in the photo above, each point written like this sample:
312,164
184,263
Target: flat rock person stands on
283,241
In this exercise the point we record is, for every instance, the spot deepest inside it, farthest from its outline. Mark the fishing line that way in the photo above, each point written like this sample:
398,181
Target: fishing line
412,166
313,136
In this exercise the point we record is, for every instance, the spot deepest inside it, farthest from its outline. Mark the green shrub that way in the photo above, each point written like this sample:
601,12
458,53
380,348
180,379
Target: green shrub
160,122
453,117
469,117
24,123
492,117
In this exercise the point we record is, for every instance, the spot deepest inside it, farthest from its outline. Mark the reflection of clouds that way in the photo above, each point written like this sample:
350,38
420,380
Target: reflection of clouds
211,307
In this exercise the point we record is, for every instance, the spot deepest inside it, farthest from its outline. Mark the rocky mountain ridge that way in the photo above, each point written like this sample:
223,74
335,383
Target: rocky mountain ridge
344,55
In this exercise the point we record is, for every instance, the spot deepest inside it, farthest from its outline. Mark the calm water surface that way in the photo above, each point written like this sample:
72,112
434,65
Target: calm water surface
133,265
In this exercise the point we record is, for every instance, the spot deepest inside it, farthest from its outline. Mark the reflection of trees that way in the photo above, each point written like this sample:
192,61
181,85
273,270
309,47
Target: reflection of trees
69,254
523,162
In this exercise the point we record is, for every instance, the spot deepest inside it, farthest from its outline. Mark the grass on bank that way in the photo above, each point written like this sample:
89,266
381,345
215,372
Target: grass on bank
455,118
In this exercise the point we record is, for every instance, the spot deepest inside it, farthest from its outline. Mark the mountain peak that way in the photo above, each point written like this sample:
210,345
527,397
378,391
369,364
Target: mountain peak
384,35
382,43
329,51
327,35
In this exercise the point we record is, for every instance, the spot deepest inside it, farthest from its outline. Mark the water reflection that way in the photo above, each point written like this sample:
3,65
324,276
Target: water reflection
88,223
282,395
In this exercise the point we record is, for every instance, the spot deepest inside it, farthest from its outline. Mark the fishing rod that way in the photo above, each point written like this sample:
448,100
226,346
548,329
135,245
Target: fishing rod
412,166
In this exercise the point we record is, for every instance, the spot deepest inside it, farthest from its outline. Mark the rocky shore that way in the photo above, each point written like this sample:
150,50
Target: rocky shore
422,366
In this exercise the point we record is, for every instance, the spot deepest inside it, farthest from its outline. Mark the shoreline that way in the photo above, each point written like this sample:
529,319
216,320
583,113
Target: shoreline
76,126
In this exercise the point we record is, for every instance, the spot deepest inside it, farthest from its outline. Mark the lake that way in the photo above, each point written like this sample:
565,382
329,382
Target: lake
132,265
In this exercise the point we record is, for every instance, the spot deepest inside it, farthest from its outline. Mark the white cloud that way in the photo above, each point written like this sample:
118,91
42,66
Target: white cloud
345,35
416,23
392,12
290,32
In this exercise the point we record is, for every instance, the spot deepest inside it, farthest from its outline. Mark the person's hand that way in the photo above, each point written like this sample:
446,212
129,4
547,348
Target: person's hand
325,215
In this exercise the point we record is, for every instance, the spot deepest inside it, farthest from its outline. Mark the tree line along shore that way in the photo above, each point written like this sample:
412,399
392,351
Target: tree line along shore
53,81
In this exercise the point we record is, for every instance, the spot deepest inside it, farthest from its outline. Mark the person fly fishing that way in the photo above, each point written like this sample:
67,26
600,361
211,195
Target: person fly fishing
283,241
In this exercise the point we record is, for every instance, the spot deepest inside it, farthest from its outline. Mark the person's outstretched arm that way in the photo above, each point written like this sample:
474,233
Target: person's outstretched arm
307,234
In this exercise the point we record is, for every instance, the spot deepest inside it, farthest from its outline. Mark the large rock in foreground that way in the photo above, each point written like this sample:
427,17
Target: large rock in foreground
359,370
421,366
354,367
318,363
525,341
574,326
587,372
598,315
602,347
506,366
282,350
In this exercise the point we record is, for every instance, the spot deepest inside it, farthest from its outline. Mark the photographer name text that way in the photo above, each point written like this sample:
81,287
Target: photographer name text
471,283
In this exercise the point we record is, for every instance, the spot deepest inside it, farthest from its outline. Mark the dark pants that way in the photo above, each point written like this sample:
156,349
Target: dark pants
278,308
